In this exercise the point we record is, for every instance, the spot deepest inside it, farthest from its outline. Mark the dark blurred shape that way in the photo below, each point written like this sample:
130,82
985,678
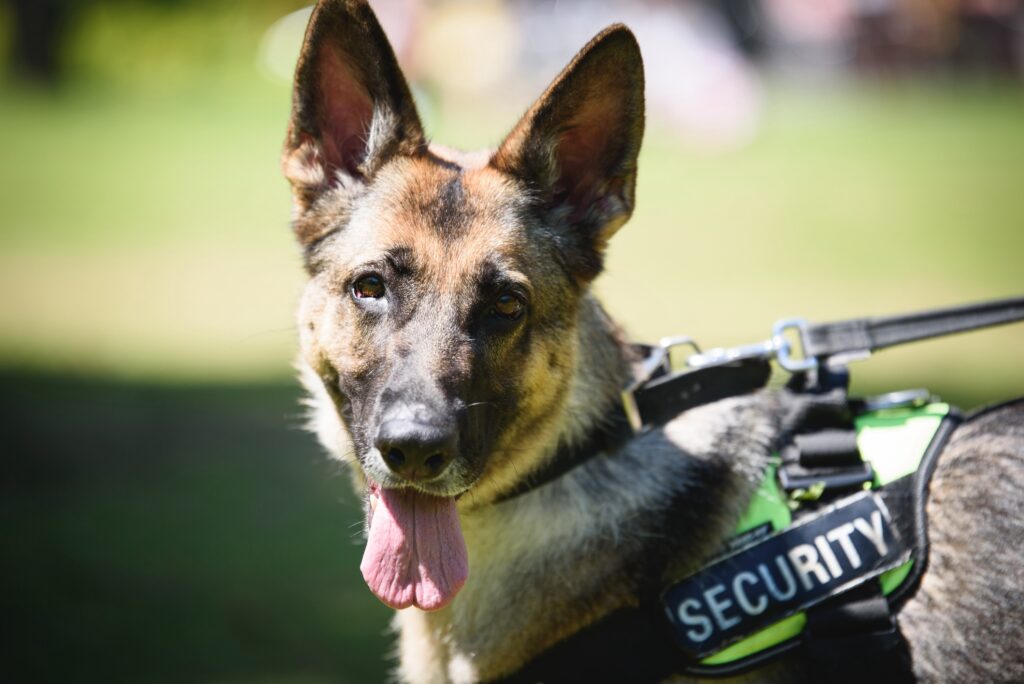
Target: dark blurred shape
888,37
745,22
989,37
176,533
40,27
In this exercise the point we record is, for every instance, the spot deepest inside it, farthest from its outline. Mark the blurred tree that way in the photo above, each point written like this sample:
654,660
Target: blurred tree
39,28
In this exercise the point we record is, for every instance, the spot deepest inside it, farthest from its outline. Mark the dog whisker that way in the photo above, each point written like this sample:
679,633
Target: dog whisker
478,403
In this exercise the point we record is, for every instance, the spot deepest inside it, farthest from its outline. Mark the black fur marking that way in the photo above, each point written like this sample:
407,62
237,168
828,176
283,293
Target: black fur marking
402,260
448,211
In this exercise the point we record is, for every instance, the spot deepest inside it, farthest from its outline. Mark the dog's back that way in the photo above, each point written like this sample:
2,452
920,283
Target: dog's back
966,622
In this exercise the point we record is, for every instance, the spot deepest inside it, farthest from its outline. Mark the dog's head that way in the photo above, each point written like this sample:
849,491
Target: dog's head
445,288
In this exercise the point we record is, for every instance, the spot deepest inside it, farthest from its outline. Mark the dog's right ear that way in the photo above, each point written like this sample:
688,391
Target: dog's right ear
351,107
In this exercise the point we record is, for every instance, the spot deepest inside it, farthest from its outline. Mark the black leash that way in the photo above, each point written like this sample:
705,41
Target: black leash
862,336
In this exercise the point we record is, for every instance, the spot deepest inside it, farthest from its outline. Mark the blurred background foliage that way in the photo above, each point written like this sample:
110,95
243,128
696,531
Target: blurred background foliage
165,518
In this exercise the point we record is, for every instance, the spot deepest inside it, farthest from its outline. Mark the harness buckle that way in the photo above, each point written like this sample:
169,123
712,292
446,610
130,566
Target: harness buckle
911,398
659,361
795,479
823,461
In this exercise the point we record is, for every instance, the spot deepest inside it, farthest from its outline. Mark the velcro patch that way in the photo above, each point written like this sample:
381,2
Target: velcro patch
821,555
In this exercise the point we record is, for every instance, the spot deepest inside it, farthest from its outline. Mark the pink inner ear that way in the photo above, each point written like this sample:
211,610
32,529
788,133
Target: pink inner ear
582,152
345,113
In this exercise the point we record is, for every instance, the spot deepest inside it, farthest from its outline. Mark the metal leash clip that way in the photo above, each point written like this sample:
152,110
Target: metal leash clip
777,347
783,349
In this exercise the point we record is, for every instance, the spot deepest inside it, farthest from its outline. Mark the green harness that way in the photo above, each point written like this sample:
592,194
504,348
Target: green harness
893,442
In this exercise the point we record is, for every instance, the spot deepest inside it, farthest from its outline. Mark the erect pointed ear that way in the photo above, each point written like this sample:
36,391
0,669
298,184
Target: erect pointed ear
351,107
576,147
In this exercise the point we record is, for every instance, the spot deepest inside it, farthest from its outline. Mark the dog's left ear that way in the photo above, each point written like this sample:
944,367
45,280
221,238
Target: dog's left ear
351,109
576,147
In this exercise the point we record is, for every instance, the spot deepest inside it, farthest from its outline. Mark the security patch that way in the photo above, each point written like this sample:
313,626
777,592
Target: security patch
821,555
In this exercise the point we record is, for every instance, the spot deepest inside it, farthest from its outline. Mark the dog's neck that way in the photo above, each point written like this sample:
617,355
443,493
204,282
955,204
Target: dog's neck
602,363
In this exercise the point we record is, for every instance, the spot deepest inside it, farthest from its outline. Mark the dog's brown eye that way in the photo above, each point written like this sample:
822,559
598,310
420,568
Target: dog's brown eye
509,306
368,287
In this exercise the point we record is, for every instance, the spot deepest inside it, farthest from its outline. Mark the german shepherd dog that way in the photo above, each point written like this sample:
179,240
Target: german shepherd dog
451,344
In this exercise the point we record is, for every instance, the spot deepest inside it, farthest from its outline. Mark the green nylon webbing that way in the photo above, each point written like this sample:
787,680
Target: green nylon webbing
893,441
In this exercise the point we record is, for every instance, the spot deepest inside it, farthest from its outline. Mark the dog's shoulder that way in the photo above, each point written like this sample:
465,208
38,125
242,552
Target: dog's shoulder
700,471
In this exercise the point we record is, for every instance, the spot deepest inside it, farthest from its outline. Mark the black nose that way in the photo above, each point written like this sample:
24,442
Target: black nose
416,451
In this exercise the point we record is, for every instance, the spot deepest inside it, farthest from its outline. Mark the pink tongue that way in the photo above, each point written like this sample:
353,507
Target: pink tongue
415,554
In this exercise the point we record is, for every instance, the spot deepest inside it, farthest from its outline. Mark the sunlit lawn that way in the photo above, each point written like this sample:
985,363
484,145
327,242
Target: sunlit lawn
147,236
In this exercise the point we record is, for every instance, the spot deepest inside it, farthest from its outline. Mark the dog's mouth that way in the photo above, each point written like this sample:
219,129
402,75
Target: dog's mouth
415,552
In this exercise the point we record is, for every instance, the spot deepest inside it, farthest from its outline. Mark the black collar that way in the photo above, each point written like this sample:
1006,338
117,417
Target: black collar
658,400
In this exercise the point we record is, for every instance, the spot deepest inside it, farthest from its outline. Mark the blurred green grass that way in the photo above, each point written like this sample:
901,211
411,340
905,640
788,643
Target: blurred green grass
146,236
167,521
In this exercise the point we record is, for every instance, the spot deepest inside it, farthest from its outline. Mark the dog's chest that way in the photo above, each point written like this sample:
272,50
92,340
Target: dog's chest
547,563
539,572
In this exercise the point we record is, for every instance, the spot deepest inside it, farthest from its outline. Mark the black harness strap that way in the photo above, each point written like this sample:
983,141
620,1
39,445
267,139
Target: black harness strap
630,645
827,449
854,636
663,398
869,334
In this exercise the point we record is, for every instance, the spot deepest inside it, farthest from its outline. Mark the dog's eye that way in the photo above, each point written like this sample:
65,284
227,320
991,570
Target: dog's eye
509,306
368,287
